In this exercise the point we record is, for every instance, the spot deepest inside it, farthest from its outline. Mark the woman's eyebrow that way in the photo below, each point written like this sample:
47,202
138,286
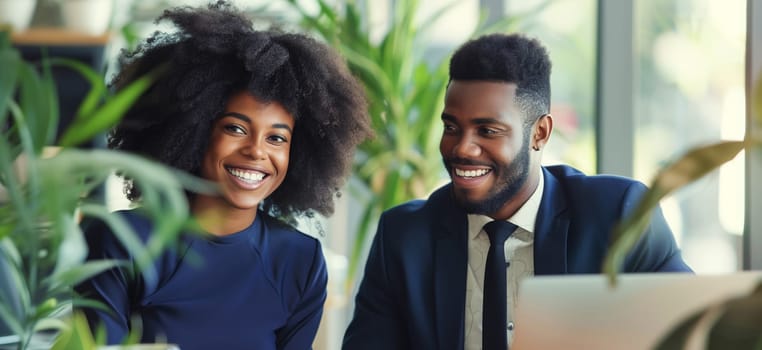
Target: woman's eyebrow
283,126
237,115
246,119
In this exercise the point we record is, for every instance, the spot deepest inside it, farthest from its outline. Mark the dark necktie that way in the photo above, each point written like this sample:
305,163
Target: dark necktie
494,318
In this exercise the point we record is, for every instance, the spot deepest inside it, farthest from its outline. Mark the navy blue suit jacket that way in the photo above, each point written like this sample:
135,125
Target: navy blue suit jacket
413,293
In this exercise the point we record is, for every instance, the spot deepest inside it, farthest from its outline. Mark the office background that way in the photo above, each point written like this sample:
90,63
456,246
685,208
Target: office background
635,84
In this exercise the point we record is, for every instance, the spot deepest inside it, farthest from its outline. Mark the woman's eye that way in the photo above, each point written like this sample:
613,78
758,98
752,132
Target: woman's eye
278,139
235,129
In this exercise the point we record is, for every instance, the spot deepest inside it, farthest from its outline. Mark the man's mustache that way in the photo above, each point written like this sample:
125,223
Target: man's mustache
450,162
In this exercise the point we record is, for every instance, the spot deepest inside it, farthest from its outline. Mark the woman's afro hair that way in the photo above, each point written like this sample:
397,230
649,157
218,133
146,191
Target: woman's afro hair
215,53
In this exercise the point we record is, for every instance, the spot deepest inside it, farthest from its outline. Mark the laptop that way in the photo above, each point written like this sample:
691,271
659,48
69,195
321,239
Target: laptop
583,312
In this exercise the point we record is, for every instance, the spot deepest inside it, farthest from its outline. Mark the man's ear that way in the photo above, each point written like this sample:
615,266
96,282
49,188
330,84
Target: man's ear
541,131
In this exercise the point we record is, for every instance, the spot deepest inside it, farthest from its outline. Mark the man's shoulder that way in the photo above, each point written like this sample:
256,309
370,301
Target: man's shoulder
572,178
411,226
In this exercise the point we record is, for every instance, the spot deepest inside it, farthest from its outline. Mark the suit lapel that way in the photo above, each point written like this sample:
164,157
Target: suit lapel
551,229
451,263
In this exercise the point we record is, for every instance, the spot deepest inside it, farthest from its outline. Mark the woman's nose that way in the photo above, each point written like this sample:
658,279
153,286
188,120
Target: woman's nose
255,149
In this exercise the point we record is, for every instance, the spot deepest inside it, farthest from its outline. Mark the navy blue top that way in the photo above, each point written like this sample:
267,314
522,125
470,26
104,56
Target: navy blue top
260,288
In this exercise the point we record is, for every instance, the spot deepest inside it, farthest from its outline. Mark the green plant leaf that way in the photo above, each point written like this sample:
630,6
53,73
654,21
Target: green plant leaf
44,309
49,101
50,324
10,60
39,237
29,111
107,115
95,94
78,302
164,196
123,231
76,337
11,256
10,318
31,181
36,103
77,274
9,252
735,324
73,248
693,165
678,336
8,154
740,326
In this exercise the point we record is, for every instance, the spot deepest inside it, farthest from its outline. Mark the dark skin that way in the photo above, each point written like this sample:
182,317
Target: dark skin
248,157
482,141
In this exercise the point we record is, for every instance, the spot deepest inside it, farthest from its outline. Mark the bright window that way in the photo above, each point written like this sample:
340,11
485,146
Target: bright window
690,91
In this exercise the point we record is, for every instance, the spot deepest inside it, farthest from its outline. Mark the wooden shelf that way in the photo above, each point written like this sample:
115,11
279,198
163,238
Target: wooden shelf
58,37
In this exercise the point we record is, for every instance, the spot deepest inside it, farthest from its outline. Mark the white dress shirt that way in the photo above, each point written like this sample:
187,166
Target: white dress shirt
519,254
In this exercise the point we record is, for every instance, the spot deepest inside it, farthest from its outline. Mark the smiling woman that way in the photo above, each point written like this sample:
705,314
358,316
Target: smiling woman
248,156
273,119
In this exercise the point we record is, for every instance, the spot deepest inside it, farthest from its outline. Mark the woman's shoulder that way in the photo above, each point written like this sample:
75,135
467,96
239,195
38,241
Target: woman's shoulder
284,230
290,252
284,239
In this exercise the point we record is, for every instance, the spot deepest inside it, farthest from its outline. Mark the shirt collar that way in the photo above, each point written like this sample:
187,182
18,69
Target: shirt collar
524,218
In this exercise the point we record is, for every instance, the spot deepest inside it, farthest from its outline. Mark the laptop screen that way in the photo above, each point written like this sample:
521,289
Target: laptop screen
583,312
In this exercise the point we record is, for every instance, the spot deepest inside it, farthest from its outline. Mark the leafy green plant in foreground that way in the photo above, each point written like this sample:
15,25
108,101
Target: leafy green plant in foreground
736,323
43,196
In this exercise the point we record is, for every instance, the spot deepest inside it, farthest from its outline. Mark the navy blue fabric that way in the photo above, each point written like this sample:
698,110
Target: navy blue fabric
261,288
413,292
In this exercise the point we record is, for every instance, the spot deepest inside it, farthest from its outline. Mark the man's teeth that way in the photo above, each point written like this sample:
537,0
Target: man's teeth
249,176
470,173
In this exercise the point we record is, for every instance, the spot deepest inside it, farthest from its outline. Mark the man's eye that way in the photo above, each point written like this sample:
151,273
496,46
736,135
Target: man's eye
449,128
487,131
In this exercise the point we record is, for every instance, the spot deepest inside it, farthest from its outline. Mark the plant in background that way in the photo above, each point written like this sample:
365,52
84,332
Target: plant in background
44,194
734,324
406,96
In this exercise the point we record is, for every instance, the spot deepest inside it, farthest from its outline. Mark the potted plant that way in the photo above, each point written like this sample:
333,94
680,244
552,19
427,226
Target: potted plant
406,96
45,194
732,324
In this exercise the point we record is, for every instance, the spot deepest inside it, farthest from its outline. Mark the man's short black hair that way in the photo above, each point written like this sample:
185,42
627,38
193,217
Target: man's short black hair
215,53
510,58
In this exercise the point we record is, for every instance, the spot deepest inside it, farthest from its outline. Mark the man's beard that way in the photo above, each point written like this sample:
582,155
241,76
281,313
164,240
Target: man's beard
509,181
